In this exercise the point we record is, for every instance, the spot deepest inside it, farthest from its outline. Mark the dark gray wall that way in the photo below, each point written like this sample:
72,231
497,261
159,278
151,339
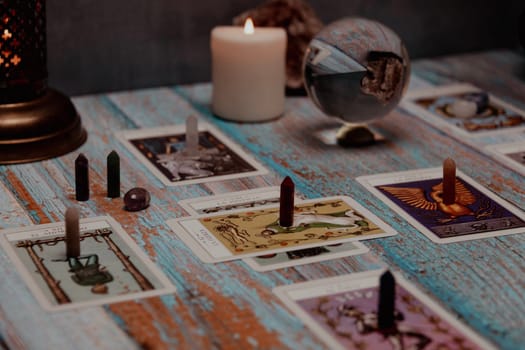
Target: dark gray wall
96,45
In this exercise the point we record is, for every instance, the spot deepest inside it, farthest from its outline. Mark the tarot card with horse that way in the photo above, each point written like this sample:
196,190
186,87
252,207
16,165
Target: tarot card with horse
163,151
110,268
252,232
343,312
418,197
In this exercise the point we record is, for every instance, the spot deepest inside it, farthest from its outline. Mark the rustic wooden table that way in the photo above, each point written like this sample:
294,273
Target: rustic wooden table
227,305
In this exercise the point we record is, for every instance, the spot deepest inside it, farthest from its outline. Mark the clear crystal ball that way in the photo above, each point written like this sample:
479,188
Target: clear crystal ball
356,69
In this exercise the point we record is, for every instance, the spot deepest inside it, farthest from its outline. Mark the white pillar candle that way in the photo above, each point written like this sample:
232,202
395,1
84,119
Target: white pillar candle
248,72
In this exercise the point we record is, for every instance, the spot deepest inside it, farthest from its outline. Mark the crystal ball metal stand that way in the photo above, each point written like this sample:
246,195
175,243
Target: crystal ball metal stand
356,69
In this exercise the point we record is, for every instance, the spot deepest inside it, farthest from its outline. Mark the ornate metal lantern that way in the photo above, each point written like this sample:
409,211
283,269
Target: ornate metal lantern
36,122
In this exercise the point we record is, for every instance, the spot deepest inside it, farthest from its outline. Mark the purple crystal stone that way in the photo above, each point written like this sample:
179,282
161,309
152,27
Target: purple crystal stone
136,199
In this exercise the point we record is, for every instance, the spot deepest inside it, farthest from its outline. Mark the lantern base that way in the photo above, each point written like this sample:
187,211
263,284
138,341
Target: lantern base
42,128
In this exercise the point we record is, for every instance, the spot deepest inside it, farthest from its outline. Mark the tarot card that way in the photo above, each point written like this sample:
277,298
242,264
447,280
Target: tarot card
162,150
305,256
245,233
417,196
436,106
510,154
256,198
262,197
111,267
342,312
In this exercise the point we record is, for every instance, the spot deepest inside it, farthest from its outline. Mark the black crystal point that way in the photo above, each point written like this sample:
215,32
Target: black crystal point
387,301
82,178
113,175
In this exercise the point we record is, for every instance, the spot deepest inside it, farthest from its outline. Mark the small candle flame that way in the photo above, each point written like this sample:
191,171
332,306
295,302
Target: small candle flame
248,26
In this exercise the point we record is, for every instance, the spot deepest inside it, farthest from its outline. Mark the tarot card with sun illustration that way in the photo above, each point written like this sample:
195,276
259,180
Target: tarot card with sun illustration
252,232
111,267
343,312
417,196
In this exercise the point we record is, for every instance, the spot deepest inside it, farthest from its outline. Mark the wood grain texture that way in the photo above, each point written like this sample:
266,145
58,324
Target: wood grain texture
227,305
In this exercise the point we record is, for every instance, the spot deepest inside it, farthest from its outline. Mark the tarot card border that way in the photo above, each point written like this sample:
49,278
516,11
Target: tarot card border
126,136
339,284
167,286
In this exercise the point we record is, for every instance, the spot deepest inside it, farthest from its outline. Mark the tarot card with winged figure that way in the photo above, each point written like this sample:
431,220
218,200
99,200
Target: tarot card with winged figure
417,197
